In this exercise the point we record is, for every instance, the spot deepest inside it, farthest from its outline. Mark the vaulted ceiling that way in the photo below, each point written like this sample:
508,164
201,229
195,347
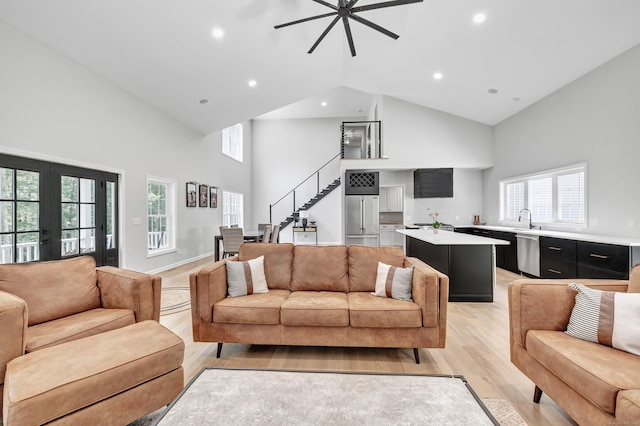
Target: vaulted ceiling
164,53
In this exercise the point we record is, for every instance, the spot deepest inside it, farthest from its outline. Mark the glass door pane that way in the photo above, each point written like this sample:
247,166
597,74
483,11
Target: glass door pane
78,215
19,215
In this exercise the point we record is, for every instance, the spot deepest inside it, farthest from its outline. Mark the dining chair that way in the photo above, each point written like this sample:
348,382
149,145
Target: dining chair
232,239
261,226
274,233
266,233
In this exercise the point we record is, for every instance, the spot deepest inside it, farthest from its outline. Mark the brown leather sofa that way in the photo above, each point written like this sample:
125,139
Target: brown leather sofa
593,383
321,296
44,305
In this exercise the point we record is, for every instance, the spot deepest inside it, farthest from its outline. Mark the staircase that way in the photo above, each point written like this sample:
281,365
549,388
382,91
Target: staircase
306,206
310,184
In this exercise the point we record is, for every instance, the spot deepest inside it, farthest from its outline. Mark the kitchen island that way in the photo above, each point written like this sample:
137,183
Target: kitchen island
468,260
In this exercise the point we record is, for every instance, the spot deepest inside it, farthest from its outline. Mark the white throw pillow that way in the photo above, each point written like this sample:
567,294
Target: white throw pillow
244,278
606,317
394,282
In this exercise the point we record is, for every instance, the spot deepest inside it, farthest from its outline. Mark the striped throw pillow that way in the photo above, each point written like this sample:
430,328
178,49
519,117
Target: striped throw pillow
244,278
606,317
394,282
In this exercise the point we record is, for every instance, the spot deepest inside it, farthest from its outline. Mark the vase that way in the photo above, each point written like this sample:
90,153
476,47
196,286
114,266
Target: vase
435,230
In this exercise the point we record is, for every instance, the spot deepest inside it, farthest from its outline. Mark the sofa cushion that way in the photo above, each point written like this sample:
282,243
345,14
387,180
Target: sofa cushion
606,317
316,308
244,278
320,268
367,310
363,264
595,371
278,261
76,326
394,282
53,289
254,309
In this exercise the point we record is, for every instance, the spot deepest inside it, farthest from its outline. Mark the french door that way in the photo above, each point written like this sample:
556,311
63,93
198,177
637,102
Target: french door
53,211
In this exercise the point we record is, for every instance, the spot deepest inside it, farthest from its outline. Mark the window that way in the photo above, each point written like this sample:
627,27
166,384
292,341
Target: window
232,209
552,197
160,215
232,141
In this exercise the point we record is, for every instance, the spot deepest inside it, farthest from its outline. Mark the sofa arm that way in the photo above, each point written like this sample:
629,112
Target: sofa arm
123,289
430,291
208,286
546,304
13,328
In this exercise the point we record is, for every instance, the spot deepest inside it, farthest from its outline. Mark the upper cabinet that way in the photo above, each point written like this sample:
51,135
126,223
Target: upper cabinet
391,199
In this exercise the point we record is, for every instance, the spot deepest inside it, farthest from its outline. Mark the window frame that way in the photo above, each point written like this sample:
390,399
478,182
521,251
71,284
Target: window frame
229,142
226,206
171,191
555,221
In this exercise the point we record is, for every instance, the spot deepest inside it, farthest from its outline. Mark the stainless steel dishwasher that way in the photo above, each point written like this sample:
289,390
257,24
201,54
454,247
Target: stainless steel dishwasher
529,254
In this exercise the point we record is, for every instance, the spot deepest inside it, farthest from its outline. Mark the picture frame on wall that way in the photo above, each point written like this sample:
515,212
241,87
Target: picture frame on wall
213,197
192,195
204,195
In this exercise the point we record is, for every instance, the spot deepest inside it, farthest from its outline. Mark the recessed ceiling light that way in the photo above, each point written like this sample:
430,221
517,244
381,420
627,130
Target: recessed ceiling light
492,91
217,33
323,103
479,18
437,76
252,83
204,101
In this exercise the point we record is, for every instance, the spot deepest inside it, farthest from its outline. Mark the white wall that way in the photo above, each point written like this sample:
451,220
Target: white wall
51,108
594,119
416,137
287,152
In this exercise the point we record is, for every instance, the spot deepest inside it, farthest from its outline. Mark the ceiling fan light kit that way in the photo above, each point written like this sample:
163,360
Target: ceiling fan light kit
344,11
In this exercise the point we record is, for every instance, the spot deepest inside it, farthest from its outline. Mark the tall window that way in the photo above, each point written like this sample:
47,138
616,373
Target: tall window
160,215
232,209
232,141
553,197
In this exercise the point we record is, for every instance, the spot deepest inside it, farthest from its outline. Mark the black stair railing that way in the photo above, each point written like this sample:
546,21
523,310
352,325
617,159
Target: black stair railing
318,192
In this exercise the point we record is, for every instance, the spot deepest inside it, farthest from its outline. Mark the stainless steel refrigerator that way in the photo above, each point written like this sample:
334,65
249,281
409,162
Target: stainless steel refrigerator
362,220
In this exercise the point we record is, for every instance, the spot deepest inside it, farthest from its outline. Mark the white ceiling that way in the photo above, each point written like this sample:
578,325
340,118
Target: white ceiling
162,52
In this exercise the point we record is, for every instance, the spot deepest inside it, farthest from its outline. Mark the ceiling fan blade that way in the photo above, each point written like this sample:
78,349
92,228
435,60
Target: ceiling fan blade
332,6
375,26
383,4
324,15
324,34
347,30
351,3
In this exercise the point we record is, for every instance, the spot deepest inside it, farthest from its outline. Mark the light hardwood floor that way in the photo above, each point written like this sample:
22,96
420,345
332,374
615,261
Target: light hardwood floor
477,348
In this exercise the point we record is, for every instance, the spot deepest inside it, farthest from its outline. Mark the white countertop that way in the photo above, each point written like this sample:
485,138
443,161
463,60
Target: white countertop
449,238
593,238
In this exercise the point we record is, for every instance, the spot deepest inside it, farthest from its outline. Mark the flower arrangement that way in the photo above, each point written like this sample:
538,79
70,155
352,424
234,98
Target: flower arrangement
436,224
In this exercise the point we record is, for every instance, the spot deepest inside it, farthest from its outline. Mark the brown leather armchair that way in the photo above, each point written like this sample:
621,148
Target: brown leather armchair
44,304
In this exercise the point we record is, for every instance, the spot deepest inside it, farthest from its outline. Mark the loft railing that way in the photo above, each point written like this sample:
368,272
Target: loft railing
308,187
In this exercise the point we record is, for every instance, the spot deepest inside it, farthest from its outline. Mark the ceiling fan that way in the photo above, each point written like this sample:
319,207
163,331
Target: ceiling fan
345,10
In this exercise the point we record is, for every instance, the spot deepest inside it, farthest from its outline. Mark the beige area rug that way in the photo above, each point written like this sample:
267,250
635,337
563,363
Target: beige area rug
174,299
271,397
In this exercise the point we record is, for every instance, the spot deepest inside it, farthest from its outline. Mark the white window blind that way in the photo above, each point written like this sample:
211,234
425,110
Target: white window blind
555,196
232,209
232,141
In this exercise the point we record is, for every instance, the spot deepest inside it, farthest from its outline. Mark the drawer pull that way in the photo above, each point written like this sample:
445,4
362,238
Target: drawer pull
599,256
554,271
555,248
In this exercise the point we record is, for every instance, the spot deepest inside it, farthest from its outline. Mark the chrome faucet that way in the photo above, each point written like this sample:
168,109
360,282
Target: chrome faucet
530,217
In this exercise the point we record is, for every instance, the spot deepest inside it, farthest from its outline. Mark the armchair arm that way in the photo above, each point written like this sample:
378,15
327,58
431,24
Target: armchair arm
13,328
430,291
123,289
208,286
546,304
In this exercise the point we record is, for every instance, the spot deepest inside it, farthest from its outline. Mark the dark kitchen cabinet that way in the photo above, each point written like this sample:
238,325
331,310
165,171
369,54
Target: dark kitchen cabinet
598,260
506,256
557,258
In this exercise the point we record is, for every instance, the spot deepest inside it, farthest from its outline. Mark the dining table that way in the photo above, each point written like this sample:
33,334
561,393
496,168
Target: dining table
250,236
